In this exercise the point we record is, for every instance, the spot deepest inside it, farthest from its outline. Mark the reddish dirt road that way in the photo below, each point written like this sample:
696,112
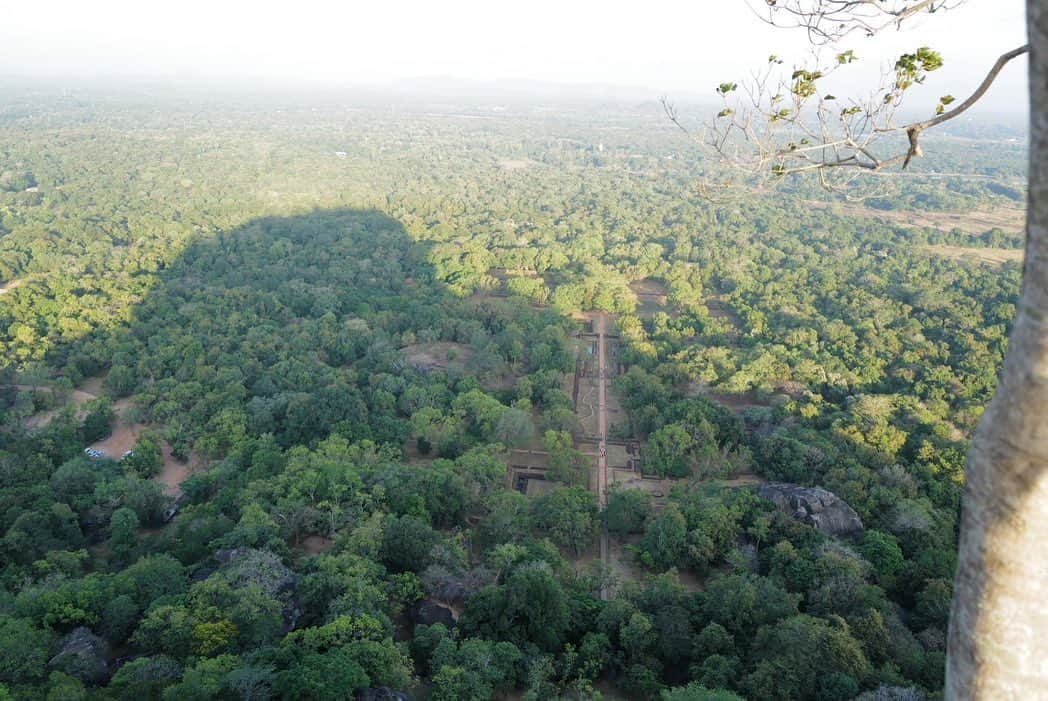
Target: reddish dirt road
602,417
175,472
41,420
602,445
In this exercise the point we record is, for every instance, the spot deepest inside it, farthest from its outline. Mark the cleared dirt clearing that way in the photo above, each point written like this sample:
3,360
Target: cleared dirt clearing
434,356
76,398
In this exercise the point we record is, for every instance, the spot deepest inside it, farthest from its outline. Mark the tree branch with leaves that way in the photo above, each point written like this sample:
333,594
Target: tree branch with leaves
783,121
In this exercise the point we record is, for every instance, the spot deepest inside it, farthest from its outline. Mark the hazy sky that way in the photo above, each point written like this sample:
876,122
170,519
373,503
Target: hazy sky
676,46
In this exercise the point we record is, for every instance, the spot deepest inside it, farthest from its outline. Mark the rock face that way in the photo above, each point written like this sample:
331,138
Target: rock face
83,655
814,506
428,612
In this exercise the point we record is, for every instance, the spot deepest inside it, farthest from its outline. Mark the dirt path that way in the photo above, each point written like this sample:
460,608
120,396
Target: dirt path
602,418
586,400
76,397
174,473
9,285
602,446
122,439
93,386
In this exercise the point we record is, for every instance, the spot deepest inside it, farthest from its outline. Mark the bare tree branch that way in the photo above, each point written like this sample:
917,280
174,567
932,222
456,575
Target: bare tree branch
913,131
829,21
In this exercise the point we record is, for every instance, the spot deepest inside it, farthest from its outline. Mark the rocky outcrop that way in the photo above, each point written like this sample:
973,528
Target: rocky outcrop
429,612
814,506
83,655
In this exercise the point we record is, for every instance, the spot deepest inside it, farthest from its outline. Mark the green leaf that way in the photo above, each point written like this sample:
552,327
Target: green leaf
929,60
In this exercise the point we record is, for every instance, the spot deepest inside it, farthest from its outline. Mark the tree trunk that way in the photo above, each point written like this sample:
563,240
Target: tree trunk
998,642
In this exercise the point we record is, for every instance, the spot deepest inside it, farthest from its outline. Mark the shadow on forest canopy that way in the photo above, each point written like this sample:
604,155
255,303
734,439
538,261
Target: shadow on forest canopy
276,327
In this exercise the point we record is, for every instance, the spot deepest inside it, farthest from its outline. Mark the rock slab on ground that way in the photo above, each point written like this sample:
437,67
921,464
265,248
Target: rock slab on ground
83,655
815,506
429,612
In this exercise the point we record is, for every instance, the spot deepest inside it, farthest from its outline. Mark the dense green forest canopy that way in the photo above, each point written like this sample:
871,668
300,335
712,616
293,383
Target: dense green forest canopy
323,326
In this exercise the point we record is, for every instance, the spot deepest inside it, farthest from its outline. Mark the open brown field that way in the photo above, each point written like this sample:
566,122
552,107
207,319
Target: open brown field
991,256
734,401
652,298
657,488
175,472
721,310
315,544
1008,219
441,355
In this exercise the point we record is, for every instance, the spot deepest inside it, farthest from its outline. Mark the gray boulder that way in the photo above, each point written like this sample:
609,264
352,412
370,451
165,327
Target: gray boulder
429,612
83,655
815,506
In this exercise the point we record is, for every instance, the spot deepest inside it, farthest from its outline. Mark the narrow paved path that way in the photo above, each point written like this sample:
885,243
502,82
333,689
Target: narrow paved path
602,417
602,444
